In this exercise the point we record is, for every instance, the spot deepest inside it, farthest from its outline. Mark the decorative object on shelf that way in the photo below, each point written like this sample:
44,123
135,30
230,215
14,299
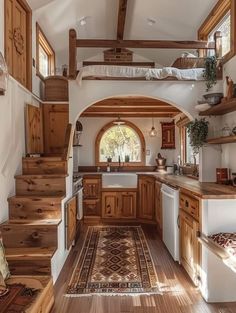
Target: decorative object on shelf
3,75
197,132
210,72
234,131
230,88
153,131
77,134
226,131
161,162
222,176
213,98
64,70
168,135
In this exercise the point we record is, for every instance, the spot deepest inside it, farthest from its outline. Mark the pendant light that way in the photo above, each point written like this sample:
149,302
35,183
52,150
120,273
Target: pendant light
153,131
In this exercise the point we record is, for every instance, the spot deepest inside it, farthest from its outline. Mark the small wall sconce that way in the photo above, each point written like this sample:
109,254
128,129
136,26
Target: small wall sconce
3,75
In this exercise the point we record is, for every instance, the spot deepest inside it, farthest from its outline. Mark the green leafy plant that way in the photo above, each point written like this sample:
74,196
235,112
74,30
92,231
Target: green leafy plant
197,131
210,72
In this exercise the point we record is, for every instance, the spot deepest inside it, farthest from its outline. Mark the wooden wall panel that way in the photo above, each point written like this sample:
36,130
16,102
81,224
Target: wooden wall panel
34,129
71,222
56,119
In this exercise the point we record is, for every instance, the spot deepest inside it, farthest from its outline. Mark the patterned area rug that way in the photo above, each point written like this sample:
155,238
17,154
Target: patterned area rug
115,260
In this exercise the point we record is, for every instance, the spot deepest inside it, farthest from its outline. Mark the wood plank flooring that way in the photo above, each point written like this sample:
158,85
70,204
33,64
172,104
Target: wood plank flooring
179,294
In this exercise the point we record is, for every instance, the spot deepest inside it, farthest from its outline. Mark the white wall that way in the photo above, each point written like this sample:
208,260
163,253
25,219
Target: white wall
92,126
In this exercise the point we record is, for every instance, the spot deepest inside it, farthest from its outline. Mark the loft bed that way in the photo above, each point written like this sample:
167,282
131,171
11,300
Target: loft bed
183,68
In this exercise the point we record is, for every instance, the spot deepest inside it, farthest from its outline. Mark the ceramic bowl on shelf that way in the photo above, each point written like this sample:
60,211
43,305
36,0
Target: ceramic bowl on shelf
213,98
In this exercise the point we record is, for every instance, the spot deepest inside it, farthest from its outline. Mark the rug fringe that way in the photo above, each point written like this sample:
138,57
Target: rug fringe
113,294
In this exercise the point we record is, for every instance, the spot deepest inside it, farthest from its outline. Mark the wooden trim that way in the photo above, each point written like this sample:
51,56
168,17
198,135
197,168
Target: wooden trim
215,16
147,44
68,143
142,141
41,40
137,64
72,54
221,109
222,140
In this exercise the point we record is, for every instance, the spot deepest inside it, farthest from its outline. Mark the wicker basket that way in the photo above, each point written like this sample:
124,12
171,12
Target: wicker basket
56,88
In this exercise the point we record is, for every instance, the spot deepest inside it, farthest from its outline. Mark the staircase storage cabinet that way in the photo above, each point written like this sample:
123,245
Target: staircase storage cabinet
92,195
158,206
146,188
189,230
119,204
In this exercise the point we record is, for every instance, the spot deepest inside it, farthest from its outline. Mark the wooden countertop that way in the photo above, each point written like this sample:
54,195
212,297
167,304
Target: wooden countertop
202,190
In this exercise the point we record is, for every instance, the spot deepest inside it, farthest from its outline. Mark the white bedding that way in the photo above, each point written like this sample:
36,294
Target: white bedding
147,73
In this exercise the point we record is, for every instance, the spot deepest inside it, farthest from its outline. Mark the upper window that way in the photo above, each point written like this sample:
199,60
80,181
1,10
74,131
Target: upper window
124,143
221,19
224,27
45,55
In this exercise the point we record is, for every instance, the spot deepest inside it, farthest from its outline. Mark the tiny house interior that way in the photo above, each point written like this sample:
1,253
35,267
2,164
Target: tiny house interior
117,164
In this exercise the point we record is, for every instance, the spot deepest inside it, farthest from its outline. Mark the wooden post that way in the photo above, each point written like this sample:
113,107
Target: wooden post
72,54
218,44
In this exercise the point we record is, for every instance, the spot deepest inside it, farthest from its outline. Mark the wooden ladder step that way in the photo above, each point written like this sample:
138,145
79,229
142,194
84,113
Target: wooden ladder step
40,185
30,233
30,261
34,208
44,165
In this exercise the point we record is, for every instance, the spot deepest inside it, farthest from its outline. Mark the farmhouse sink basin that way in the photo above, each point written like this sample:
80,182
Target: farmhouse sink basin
119,180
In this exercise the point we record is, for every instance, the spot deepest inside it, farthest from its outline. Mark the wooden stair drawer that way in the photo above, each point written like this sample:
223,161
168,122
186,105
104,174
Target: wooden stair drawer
92,207
189,205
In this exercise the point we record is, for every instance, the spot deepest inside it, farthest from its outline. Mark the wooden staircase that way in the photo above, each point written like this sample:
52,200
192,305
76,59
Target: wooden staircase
30,235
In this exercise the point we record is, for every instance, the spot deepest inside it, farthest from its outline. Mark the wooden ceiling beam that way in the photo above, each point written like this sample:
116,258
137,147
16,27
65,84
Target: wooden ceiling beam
152,44
132,102
126,115
121,19
131,110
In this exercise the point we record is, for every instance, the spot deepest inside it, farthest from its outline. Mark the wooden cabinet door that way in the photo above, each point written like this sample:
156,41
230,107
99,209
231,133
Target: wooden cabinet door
56,119
146,198
110,202
34,129
127,204
158,205
189,246
71,221
91,207
92,188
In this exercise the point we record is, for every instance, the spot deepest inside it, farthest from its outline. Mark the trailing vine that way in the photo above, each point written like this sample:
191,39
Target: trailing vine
210,72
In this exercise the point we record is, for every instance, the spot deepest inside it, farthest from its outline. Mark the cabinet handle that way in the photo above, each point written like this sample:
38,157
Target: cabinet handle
178,222
186,204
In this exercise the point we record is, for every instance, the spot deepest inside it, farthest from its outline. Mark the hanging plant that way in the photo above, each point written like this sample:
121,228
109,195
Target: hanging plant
197,131
210,72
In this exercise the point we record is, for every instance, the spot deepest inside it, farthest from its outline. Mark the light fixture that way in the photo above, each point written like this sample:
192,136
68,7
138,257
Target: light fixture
153,131
83,20
119,122
151,21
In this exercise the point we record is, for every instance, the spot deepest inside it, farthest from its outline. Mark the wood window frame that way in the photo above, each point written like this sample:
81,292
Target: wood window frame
142,142
41,40
213,19
28,11
181,124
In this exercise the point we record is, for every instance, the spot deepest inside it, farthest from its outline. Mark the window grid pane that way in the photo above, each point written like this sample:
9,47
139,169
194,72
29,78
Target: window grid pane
120,141
43,62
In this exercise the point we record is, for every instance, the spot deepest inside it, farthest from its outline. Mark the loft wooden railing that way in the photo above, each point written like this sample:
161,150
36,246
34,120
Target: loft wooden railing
68,143
200,45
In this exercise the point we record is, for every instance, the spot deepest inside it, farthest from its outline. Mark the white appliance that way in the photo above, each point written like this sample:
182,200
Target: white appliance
170,216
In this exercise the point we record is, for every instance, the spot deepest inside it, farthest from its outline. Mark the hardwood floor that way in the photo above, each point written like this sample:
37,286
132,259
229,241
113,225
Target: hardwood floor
179,294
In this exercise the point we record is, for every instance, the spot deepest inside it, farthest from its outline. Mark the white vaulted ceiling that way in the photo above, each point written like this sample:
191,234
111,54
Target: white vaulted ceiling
175,20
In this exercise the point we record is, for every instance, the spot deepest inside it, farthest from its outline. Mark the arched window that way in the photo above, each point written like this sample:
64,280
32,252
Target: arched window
124,142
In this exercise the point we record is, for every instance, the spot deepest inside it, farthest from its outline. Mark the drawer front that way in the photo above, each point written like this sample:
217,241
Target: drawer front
91,207
189,205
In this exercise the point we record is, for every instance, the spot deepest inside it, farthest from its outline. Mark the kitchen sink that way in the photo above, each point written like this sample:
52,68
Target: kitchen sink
119,180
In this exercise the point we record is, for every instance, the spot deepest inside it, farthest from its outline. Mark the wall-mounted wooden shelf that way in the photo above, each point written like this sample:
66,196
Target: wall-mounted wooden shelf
222,140
221,109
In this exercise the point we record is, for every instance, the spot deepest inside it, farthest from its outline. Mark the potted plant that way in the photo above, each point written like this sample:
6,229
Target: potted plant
197,131
210,72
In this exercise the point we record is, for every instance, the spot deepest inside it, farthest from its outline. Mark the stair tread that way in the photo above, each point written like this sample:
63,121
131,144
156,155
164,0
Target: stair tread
45,158
46,197
42,222
42,176
35,252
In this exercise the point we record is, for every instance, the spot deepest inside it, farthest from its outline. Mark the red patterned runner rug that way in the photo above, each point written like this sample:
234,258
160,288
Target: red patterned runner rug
115,260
